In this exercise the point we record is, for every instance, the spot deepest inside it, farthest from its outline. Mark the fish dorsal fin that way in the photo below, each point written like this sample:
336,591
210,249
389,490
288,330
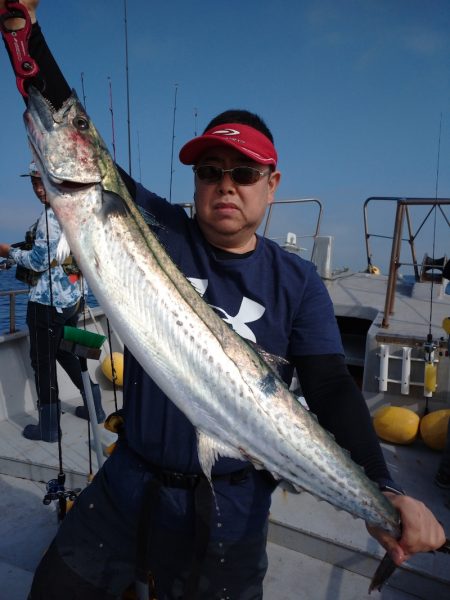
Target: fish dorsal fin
209,450
272,360
62,250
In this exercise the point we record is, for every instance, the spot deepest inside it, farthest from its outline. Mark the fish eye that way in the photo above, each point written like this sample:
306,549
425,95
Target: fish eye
80,123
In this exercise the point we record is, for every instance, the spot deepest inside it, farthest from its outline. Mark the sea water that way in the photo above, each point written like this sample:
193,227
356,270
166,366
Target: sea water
8,282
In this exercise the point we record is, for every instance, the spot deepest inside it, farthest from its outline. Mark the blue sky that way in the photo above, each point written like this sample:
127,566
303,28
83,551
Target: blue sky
353,91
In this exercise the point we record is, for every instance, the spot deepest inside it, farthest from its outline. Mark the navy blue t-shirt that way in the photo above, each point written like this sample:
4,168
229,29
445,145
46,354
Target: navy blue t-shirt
273,298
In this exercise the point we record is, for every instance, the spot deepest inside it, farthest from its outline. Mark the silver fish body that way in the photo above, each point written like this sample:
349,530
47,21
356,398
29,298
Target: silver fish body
239,406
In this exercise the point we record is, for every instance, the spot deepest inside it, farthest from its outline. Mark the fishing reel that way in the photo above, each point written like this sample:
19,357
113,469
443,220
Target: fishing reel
6,264
57,491
430,381
65,498
27,243
24,245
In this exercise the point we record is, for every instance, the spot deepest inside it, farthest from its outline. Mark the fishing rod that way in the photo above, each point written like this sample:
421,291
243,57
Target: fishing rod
82,89
128,85
139,155
173,141
142,589
195,121
430,377
111,110
113,369
438,160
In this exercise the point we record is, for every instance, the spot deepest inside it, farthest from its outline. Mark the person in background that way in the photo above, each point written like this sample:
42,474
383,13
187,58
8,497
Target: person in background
55,300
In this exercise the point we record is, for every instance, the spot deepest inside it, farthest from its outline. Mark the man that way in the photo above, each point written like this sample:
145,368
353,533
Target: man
150,508
55,300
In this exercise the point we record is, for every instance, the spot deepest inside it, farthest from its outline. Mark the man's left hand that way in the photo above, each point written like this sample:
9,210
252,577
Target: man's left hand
421,532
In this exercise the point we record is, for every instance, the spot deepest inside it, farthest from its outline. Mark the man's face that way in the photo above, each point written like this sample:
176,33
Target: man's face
229,214
39,189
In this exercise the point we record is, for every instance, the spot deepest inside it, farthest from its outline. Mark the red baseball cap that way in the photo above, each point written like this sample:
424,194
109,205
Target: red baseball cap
245,139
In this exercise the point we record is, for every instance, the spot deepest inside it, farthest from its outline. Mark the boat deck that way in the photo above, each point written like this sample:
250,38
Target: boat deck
326,552
309,526
362,295
315,552
39,461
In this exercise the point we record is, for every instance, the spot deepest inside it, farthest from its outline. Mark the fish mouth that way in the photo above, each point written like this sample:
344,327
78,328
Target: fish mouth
68,186
62,185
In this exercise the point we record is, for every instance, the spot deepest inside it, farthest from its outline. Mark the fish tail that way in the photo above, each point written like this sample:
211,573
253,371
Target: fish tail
385,569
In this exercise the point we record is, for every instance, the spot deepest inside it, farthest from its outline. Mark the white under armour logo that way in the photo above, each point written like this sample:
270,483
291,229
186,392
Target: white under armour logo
249,311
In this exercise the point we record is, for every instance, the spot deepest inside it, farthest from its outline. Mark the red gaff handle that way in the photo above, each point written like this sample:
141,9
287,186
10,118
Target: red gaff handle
25,67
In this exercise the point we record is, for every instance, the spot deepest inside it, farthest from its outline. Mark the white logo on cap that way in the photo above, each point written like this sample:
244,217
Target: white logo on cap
227,132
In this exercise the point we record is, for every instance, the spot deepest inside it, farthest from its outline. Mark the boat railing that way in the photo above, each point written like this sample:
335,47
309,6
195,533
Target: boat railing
403,204
189,207
298,201
11,294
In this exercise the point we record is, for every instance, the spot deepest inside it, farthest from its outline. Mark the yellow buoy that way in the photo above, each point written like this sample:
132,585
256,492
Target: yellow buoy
446,325
373,270
433,428
396,424
118,367
430,383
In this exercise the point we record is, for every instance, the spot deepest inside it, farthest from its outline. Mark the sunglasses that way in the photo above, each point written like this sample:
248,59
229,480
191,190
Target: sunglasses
240,175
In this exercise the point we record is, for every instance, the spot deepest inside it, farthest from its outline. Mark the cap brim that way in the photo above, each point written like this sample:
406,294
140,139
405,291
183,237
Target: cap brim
243,138
191,152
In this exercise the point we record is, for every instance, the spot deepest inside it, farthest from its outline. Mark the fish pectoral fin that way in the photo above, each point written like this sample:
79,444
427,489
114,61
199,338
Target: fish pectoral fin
292,488
209,450
112,205
259,466
62,250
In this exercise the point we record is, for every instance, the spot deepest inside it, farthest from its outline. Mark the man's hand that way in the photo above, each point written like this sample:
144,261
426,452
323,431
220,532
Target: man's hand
30,5
421,532
4,249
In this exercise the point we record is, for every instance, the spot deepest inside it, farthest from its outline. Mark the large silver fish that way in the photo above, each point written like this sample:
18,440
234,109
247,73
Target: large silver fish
237,403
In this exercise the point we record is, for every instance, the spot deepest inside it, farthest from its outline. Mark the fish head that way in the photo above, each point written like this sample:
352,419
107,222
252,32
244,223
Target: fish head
67,148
